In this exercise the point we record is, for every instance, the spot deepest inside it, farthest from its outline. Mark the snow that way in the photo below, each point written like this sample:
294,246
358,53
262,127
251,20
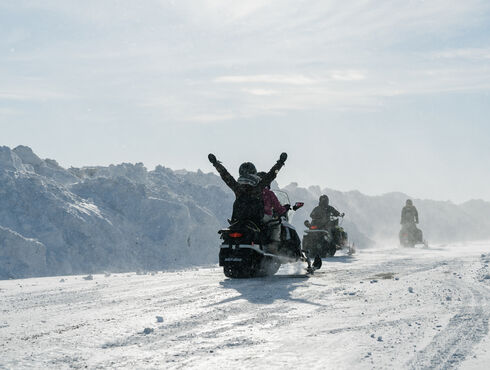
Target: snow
209,321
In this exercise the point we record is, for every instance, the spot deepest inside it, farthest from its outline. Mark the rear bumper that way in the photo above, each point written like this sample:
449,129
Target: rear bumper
242,253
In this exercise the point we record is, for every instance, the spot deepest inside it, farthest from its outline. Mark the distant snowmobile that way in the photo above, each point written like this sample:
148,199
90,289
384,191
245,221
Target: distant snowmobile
410,236
325,242
245,251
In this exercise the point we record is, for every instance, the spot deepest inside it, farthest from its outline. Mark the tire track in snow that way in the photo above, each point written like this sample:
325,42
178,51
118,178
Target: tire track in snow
464,330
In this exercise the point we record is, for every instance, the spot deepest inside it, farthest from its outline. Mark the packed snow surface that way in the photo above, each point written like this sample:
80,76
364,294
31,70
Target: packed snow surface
381,308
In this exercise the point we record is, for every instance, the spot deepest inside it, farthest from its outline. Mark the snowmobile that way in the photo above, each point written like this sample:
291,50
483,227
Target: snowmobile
326,242
410,236
245,251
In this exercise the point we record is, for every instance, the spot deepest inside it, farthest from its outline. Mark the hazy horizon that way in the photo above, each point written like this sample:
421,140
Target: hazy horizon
234,172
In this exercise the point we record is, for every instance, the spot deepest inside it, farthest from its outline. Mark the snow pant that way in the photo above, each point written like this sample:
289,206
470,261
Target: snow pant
275,234
274,228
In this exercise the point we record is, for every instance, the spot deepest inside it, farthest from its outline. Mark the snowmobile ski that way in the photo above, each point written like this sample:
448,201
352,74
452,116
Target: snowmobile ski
317,264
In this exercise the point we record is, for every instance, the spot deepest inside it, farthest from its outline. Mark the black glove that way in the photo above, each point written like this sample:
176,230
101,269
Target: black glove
283,157
342,214
287,206
212,158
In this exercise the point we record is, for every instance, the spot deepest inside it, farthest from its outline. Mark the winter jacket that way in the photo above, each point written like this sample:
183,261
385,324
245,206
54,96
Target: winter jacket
409,215
271,202
248,204
320,216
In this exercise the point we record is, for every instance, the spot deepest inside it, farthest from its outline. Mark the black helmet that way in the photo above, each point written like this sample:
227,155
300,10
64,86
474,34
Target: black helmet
409,202
323,201
247,168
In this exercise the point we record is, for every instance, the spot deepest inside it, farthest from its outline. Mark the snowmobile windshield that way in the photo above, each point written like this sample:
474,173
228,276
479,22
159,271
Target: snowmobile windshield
282,197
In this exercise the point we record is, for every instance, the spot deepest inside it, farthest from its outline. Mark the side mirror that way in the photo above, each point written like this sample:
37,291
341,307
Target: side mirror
298,205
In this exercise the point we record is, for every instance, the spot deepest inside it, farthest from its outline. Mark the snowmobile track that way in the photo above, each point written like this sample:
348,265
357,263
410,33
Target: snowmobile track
384,309
464,330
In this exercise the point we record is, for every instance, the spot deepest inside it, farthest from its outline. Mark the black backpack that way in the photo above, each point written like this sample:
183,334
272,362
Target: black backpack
248,208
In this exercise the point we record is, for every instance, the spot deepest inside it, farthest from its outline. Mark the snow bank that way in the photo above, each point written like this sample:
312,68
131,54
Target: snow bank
115,218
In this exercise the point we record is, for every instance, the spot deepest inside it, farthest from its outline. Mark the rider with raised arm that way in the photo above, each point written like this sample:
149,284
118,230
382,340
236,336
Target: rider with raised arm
249,204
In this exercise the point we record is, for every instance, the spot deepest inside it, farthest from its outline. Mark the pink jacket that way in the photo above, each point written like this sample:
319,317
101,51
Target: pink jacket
271,202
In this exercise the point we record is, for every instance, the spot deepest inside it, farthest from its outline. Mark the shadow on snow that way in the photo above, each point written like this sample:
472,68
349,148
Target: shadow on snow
266,290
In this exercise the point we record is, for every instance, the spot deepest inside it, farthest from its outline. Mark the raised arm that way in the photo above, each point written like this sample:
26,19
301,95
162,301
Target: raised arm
225,175
416,215
271,175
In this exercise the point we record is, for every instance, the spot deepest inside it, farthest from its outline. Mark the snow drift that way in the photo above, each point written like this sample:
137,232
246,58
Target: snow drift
104,218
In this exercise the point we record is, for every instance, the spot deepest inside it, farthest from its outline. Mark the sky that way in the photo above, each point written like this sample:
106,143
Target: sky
375,96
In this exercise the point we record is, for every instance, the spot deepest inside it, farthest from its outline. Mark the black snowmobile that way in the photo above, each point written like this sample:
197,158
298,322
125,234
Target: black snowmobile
410,236
326,241
244,251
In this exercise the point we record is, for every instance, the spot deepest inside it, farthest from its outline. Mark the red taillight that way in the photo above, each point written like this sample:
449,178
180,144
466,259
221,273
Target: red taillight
313,227
236,235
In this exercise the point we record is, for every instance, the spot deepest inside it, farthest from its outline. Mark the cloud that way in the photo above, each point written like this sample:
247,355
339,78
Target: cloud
261,92
268,79
347,75
466,53
190,59
205,118
32,94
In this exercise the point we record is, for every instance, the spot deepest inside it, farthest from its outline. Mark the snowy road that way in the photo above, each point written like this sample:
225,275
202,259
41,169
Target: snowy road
383,308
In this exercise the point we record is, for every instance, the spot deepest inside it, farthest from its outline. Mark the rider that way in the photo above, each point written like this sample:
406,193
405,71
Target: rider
409,219
248,188
320,216
410,215
272,207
